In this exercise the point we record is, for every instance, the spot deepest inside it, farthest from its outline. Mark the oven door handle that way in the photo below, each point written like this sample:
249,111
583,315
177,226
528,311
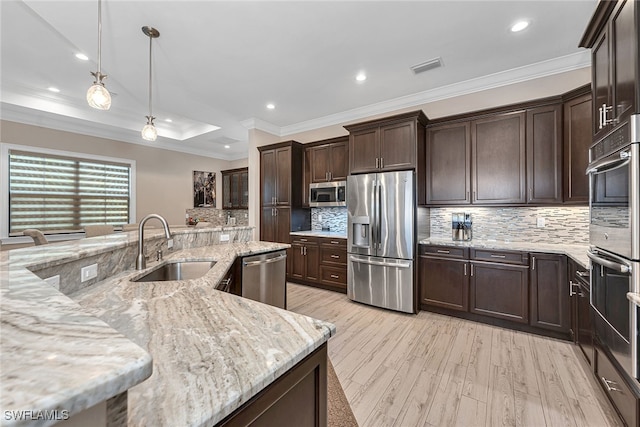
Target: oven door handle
623,268
609,163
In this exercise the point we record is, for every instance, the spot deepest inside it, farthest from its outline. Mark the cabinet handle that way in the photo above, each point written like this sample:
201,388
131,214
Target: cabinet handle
530,193
465,269
334,242
381,162
442,251
498,256
471,270
474,196
571,292
303,240
301,250
276,211
533,263
605,110
377,162
335,276
335,256
326,176
600,118
582,273
608,383
468,196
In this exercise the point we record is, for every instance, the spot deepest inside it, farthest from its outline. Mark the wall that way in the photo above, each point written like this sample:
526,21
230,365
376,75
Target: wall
563,225
164,177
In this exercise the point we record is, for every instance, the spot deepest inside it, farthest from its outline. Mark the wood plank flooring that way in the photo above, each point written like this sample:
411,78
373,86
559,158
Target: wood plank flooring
433,370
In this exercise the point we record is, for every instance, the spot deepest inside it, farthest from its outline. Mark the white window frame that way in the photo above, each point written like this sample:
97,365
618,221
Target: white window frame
4,188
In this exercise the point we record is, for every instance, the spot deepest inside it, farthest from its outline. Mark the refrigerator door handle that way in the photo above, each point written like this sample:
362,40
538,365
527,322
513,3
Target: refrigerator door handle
375,238
381,263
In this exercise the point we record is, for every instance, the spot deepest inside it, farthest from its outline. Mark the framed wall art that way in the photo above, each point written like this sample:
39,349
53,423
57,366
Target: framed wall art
204,189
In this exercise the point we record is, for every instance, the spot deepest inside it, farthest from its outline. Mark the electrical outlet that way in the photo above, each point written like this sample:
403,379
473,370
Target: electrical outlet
170,243
224,237
54,281
319,217
540,222
88,272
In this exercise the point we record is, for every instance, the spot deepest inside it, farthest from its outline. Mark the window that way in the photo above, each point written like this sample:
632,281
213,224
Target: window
59,192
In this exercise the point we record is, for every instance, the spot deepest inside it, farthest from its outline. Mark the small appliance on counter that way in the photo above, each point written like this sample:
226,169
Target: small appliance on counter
461,226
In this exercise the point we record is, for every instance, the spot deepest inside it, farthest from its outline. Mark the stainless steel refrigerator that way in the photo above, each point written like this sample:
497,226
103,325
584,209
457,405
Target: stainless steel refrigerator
380,239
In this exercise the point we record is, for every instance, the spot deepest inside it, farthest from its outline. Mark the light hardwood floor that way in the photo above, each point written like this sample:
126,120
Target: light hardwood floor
433,370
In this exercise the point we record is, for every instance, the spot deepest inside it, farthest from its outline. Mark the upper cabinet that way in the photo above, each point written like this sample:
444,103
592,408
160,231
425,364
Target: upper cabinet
612,36
577,139
387,144
544,154
328,161
276,170
235,188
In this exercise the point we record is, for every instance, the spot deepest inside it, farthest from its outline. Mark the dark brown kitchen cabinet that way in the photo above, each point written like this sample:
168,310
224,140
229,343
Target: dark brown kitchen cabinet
386,144
498,158
612,35
306,258
235,188
444,277
498,289
577,139
579,295
275,224
544,154
448,169
549,297
329,161
276,168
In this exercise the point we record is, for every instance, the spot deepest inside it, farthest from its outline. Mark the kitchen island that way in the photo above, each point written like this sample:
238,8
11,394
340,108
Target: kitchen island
212,351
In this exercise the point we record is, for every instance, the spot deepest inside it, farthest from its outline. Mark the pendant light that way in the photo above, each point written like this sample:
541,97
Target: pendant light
149,131
98,96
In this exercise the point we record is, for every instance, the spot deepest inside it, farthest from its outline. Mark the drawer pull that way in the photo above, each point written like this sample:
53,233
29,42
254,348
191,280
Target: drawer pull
335,256
335,276
582,273
303,240
608,384
334,242
441,251
498,256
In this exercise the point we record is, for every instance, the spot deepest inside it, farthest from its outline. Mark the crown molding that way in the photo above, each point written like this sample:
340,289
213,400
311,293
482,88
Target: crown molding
254,123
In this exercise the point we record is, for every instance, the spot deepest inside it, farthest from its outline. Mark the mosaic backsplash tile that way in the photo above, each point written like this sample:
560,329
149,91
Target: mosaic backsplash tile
563,225
334,218
220,217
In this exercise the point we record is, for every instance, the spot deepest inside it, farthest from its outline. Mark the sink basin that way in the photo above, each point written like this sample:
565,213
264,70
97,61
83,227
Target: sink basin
177,270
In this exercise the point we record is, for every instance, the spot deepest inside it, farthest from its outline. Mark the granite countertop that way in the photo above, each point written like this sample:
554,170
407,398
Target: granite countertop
577,252
320,233
212,351
72,352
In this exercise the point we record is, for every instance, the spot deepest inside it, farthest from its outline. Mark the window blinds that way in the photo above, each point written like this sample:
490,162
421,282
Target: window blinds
59,194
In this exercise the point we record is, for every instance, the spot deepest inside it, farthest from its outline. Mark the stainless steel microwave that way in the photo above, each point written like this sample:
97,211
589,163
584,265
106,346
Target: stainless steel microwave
326,194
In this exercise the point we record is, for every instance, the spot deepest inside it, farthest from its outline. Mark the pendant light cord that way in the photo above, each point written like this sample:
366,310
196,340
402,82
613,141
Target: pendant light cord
150,41
99,37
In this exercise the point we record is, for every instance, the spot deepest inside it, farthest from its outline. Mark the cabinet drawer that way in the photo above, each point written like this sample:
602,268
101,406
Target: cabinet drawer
505,257
333,275
334,242
330,255
444,251
304,240
615,387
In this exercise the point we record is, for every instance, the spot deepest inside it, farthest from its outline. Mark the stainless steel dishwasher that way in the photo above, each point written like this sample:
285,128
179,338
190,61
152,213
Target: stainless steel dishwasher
264,278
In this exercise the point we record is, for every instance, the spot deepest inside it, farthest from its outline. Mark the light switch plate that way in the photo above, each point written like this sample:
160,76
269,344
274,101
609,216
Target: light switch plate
224,237
540,222
89,272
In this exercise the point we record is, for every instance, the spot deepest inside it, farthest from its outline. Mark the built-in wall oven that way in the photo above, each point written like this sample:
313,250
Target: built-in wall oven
614,237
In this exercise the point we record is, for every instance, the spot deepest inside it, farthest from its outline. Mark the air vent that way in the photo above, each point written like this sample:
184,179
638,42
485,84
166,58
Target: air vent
426,66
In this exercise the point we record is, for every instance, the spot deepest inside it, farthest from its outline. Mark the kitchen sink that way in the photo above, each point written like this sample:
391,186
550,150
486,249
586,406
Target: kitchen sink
177,270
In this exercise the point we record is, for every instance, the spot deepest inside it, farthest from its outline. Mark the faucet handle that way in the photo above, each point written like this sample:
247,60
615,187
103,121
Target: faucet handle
159,255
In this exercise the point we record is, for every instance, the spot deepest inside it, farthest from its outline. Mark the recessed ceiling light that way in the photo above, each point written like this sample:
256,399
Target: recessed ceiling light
168,120
227,146
361,77
54,89
271,106
82,56
519,26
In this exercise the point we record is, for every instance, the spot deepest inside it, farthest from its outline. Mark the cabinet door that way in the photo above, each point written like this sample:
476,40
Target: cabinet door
244,189
500,290
625,59
312,262
364,149
448,157
319,158
600,80
498,159
226,191
268,225
398,146
584,324
544,154
549,292
297,261
444,283
339,155
268,177
577,139
283,224
234,198
283,176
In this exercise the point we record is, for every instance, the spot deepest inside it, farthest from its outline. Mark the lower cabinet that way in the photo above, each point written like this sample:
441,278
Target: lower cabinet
549,292
579,298
319,261
444,279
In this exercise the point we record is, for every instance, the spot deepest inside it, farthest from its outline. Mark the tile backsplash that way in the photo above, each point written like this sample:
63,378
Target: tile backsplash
334,218
219,217
563,225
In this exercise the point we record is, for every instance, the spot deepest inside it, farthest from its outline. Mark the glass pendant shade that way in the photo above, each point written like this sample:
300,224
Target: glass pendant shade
99,97
149,131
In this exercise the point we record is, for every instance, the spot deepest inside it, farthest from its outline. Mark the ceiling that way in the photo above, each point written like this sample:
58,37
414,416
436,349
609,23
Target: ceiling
218,63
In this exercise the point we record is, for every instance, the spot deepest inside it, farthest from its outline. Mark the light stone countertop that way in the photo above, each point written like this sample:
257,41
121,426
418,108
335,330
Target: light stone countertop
320,233
634,298
212,351
577,252
58,354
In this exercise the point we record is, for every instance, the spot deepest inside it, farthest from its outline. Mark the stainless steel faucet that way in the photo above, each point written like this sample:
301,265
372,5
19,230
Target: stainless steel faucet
141,261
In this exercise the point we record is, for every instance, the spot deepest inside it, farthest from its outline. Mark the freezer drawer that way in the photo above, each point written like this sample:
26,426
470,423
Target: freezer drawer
263,278
382,282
